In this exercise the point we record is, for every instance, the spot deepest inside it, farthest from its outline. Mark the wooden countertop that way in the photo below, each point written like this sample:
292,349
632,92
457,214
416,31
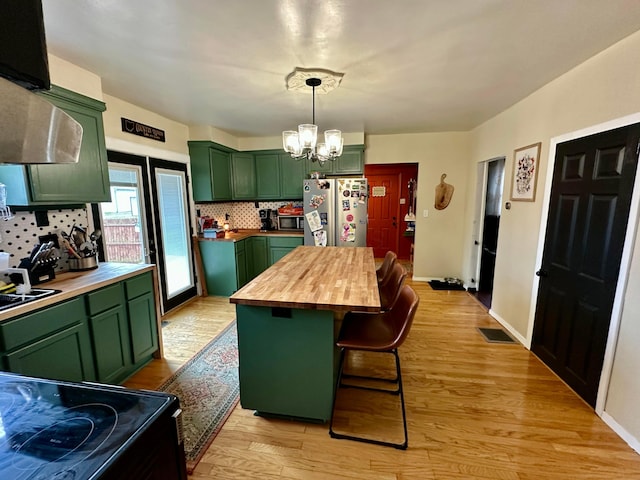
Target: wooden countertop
73,284
242,234
320,278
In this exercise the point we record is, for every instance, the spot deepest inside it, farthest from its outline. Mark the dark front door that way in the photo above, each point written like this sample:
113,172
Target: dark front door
491,224
588,212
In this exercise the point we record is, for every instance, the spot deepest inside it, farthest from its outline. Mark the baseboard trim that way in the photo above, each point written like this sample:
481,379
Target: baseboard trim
510,329
632,441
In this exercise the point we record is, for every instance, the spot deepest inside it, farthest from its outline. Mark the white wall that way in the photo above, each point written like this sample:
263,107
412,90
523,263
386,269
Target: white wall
439,236
604,88
74,78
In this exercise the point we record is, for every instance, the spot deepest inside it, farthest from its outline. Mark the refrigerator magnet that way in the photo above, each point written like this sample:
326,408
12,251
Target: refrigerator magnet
346,205
349,218
346,193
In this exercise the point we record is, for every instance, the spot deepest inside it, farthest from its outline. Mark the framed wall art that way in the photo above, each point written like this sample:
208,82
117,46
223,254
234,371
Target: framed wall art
525,173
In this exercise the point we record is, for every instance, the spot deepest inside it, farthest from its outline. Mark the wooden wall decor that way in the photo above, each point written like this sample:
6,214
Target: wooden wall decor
444,192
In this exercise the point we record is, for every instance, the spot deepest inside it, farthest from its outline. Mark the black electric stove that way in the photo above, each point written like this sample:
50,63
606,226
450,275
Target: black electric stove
60,430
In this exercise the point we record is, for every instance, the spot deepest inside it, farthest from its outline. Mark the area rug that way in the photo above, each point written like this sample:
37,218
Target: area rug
208,389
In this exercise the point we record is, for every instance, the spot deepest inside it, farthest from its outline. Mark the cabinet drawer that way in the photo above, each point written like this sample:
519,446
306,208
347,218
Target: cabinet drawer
38,324
139,285
104,299
285,241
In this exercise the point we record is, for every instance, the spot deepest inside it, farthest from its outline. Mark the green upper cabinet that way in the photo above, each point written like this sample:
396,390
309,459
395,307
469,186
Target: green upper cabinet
243,176
268,176
210,172
291,176
351,162
62,184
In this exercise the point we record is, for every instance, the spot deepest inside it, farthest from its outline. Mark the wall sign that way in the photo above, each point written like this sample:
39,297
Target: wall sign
378,191
142,130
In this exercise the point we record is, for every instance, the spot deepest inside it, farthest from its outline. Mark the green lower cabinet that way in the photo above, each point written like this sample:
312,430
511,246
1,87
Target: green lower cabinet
228,266
259,256
280,246
241,264
143,327
219,264
111,345
65,355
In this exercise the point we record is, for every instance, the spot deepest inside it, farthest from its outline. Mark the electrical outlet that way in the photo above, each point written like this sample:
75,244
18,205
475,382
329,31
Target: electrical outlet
425,213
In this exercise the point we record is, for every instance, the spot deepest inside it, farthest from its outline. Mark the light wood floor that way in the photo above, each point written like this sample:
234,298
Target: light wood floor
476,410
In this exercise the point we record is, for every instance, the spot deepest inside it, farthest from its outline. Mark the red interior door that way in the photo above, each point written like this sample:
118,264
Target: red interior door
386,225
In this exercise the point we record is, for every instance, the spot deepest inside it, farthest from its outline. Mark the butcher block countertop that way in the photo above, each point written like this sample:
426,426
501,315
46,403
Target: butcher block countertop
73,284
242,234
317,278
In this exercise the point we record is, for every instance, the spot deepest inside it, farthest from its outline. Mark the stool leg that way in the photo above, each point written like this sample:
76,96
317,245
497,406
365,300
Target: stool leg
404,445
335,390
400,391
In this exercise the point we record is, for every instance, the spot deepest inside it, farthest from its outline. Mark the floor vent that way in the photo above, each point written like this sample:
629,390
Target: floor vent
495,335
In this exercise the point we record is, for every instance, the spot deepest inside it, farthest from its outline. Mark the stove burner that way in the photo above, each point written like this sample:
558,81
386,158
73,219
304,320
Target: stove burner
73,439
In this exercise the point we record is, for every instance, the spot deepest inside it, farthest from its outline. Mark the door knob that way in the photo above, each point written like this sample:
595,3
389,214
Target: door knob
542,273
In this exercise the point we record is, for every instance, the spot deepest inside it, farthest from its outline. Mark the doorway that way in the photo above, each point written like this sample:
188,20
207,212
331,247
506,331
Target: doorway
388,207
589,206
490,227
147,221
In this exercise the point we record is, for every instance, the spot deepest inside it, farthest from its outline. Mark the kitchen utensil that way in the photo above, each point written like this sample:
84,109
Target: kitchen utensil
95,235
69,248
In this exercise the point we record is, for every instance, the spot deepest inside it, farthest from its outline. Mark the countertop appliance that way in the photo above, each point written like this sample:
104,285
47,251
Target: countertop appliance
294,223
62,430
266,222
335,212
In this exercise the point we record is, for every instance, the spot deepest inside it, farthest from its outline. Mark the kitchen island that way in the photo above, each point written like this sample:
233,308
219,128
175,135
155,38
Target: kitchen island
288,320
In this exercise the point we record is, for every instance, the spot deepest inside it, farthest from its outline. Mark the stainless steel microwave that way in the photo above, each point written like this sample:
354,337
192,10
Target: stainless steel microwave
290,222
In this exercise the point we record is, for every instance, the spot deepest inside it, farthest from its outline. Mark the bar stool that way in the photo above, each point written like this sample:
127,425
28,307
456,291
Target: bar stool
384,333
390,258
390,288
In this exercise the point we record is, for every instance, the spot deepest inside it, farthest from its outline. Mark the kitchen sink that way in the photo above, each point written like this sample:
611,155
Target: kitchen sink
9,300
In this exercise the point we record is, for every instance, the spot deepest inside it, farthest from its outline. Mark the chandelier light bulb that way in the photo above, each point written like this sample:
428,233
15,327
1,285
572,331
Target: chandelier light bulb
333,139
290,141
308,134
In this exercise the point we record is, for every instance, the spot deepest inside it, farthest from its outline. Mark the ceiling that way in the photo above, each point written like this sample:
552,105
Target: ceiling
409,65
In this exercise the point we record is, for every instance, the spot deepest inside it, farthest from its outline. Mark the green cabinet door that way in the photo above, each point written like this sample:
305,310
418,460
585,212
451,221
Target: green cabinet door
241,263
243,176
141,312
65,355
292,173
280,246
111,345
259,256
210,172
351,162
219,265
267,177
58,184
220,174
143,327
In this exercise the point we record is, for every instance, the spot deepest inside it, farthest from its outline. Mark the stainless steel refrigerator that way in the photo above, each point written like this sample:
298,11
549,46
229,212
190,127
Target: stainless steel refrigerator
335,212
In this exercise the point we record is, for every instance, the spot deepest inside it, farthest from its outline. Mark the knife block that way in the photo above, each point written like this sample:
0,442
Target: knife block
40,272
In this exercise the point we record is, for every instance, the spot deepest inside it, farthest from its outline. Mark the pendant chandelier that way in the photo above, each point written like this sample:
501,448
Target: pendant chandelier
303,144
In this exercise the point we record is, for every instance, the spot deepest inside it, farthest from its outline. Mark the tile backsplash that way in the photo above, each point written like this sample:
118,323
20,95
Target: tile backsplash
20,234
242,214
